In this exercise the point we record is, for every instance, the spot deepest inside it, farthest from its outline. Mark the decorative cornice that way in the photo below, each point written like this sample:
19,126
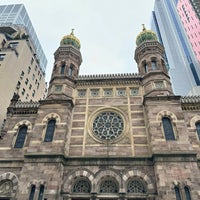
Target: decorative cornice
109,79
191,103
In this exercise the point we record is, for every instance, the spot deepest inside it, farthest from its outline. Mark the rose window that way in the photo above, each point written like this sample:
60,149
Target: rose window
108,125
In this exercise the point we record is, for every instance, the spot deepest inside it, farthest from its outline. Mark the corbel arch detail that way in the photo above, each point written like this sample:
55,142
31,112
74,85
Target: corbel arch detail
51,116
69,180
194,120
166,113
9,176
137,173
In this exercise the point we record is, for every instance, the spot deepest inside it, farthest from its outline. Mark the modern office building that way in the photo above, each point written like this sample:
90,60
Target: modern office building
21,69
103,137
16,14
191,24
184,68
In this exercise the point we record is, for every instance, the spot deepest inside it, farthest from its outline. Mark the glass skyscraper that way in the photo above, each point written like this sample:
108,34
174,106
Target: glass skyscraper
16,15
184,69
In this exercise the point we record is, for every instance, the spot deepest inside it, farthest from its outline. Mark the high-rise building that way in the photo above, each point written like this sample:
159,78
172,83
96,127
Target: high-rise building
191,23
21,69
103,137
184,68
196,6
16,14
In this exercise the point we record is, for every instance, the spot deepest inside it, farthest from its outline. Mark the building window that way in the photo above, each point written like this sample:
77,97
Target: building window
121,92
134,91
81,186
198,129
26,81
58,88
168,129
145,67
62,70
50,130
2,56
136,186
18,85
23,91
33,77
108,186
94,92
32,193
30,86
108,92
153,65
81,93
108,125
71,69
187,193
6,187
33,94
177,193
29,69
22,75
21,136
41,192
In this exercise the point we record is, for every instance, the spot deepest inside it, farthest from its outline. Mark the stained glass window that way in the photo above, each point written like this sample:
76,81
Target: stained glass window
187,193
177,193
168,129
198,129
108,125
108,186
50,130
81,186
21,137
32,193
136,186
41,192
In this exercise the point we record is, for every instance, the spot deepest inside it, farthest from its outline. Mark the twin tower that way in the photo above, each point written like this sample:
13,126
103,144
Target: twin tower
149,56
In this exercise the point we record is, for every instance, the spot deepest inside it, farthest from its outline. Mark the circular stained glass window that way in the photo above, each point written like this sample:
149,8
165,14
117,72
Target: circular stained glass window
108,125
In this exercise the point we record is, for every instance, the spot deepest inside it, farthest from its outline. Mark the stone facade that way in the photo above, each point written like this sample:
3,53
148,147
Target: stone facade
109,139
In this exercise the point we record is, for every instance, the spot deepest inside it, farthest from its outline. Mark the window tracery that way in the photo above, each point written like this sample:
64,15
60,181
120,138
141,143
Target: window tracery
6,187
81,186
136,186
108,125
108,186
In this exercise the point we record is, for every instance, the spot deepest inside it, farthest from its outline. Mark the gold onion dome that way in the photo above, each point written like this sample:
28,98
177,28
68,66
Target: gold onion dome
145,35
71,40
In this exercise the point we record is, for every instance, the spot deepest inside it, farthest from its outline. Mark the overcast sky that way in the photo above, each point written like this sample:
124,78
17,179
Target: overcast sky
107,30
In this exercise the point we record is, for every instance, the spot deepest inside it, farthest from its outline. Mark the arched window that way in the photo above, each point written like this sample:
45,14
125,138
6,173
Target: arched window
168,129
153,65
187,193
108,186
145,67
21,136
62,70
198,129
6,186
177,193
41,192
71,69
50,130
81,186
32,192
136,186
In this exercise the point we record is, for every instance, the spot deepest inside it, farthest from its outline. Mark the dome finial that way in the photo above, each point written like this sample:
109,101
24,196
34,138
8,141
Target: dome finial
72,33
144,29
